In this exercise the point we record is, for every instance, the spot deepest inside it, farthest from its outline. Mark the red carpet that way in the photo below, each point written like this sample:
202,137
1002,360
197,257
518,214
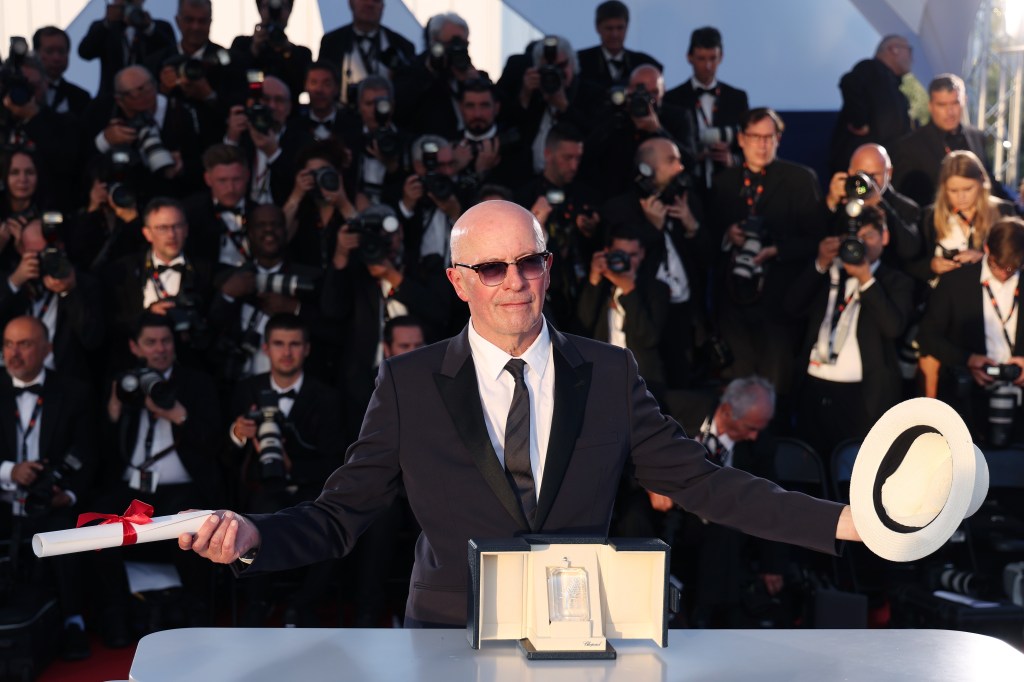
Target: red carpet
105,664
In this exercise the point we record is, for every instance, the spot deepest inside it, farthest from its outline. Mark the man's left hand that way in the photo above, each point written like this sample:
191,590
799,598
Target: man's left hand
177,414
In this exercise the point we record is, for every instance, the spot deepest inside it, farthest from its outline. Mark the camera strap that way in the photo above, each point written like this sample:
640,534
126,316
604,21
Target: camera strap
999,315
45,306
839,324
152,458
32,421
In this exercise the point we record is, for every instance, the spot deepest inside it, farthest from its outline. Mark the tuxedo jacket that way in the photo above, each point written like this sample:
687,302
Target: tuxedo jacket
195,440
67,426
730,106
291,67
916,158
425,427
282,170
106,43
885,310
77,98
594,67
313,434
339,42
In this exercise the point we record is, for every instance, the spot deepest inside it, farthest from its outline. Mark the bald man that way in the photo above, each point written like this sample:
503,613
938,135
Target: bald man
901,212
508,428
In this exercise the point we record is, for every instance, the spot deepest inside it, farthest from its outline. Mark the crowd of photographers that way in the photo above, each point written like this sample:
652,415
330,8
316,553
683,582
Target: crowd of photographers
203,265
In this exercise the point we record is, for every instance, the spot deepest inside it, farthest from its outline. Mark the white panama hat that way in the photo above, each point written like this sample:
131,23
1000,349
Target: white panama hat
917,475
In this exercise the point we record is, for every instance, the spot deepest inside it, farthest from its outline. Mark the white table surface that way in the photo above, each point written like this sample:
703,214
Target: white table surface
368,655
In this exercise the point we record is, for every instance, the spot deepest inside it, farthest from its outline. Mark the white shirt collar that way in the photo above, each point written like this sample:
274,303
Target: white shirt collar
40,378
179,260
297,386
987,276
697,84
492,360
486,135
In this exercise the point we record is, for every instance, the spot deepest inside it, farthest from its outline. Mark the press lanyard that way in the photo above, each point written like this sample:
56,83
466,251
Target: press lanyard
999,314
32,421
46,305
752,189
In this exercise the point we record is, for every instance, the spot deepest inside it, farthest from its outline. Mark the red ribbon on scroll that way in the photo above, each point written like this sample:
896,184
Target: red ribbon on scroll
138,512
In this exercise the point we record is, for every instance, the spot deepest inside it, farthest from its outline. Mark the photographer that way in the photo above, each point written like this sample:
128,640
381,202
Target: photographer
768,212
856,308
46,286
550,94
318,205
164,424
261,129
126,35
324,116
623,304
375,278
901,213
253,293
364,47
972,326
426,90
163,133
48,461
666,216
486,153
216,217
430,202
52,45
19,203
269,50
628,118
286,440
610,63
380,151
160,280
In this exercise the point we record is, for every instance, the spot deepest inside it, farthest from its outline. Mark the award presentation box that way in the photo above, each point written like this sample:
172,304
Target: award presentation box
564,597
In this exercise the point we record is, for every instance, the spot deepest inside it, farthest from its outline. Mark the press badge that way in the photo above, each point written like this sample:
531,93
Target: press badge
144,480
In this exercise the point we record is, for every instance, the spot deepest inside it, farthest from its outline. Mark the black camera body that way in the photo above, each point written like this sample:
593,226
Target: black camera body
551,78
152,151
184,314
277,40
269,421
437,184
640,103
375,233
326,180
115,171
1008,373
258,113
450,56
39,494
13,82
134,15
677,187
53,260
135,385
386,138
743,265
618,261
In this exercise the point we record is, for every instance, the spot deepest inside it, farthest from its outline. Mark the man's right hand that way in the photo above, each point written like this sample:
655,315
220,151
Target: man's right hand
238,123
27,269
24,473
735,235
412,191
244,428
976,364
239,284
117,133
654,210
828,251
836,191
222,538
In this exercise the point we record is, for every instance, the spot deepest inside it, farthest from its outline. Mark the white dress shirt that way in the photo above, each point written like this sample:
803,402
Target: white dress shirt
28,449
169,279
169,468
995,341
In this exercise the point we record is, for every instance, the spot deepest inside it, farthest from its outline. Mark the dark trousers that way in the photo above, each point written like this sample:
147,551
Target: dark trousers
828,413
62,574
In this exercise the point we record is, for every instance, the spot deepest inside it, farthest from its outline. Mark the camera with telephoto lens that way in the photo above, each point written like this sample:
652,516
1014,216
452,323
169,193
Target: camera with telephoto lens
284,284
136,384
717,134
743,265
277,40
437,184
550,73
1004,400
618,261
13,83
640,103
677,187
150,145
326,179
268,418
39,494
852,249
375,226
115,171
184,314
53,260
258,113
952,579
1008,373
452,56
386,138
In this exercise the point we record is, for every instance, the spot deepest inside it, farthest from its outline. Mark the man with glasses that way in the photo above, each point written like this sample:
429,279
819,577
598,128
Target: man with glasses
511,427
874,107
161,280
972,325
901,212
769,212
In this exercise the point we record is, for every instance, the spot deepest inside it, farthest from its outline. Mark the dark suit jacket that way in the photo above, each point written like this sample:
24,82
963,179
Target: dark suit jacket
291,68
336,44
67,426
884,314
594,67
77,98
916,158
730,105
425,427
282,170
871,97
106,43
313,437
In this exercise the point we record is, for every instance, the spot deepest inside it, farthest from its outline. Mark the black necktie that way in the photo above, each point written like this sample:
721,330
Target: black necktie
33,388
177,267
221,208
517,441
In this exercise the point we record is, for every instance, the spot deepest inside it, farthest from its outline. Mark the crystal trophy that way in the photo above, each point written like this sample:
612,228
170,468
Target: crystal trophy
568,593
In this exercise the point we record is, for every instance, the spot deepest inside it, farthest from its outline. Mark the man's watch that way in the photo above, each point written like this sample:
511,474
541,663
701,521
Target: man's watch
249,556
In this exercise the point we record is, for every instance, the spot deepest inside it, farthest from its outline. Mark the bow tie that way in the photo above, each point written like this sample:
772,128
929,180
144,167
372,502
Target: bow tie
290,393
31,388
177,267
616,62
221,208
700,92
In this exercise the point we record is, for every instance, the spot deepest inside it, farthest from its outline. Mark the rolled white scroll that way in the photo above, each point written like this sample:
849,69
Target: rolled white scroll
113,534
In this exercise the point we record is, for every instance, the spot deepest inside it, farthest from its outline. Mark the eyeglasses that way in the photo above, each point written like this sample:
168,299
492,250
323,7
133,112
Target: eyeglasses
760,139
492,273
167,229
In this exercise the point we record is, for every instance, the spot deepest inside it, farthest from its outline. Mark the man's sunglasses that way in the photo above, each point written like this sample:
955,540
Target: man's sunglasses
493,273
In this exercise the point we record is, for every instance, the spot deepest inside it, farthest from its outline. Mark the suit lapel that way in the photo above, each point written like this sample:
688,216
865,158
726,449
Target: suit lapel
457,384
7,408
572,384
